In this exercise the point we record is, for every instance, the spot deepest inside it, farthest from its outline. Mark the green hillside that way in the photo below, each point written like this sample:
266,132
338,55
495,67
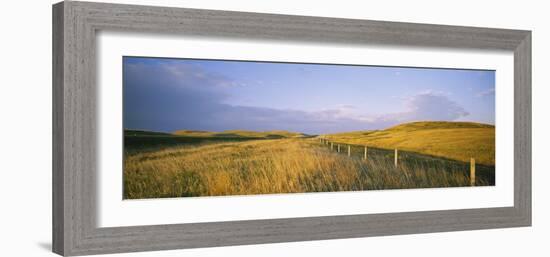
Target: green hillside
454,140
135,132
241,133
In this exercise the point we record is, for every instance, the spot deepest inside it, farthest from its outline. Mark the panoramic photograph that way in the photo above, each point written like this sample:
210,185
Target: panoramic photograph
198,127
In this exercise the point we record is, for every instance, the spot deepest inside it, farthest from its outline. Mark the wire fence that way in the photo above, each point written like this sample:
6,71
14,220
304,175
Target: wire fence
365,152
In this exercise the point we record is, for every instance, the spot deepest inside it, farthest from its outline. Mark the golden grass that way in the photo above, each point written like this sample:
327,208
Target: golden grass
267,167
454,140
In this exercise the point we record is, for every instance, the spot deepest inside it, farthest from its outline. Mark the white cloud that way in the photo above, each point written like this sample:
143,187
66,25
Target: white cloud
488,92
428,106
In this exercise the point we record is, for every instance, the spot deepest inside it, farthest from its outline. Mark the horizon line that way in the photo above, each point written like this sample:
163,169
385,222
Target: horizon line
274,130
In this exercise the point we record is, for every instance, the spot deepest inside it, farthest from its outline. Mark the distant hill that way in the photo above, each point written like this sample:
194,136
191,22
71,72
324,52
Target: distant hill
420,125
241,133
453,140
135,132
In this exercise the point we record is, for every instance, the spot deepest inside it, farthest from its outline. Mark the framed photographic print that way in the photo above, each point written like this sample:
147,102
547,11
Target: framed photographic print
182,128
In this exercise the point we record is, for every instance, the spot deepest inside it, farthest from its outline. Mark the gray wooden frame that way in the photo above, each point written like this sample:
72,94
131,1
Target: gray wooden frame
74,126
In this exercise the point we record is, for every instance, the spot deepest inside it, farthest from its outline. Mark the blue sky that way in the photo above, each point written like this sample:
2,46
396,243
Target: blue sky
170,94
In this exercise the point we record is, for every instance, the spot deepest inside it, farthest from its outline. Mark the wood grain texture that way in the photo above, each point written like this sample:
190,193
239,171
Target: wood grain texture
74,122
522,129
58,229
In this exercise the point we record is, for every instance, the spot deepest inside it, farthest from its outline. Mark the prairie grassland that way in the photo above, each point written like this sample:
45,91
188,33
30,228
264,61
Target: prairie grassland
268,166
454,140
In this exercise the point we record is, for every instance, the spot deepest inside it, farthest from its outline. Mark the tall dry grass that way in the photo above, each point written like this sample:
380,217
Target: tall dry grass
270,166
454,140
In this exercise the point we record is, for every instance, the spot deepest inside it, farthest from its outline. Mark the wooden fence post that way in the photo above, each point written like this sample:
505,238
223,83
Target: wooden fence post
331,146
365,157
338,147
349,150
395,157
472,172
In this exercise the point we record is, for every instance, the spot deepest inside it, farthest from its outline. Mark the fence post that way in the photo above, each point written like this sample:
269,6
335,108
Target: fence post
338,147
472,172
349,150
365,157
331,146
395,157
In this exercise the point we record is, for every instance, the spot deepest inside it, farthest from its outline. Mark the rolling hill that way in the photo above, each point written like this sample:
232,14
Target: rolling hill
274,134
453,140
143,140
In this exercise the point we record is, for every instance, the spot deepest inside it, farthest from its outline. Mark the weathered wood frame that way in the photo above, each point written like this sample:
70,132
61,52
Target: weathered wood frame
74,126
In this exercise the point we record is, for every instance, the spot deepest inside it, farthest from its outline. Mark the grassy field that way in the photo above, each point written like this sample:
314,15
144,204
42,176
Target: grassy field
198,163
453,140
